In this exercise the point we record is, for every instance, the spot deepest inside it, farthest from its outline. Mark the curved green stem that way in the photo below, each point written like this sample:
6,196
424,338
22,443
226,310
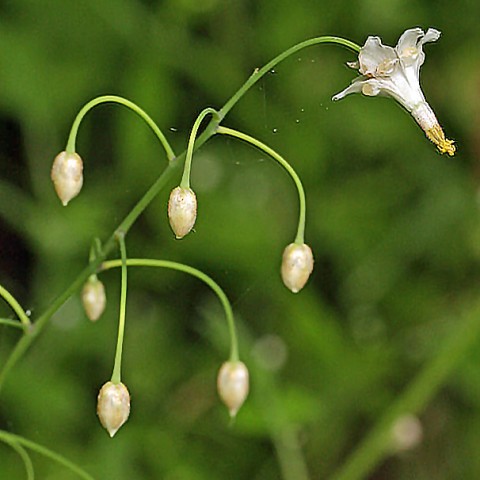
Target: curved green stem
24,343
260,72
117,368
46,452
27,461
378,443
15,306
127,103
147,262
298,183
185,183
161,182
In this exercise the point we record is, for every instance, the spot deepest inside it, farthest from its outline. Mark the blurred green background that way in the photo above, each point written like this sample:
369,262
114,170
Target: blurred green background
393,225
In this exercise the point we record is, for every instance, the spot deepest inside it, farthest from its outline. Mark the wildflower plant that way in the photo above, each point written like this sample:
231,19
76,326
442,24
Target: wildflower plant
384,70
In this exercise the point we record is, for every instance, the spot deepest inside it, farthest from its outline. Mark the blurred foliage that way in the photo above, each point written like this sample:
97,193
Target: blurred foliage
394,228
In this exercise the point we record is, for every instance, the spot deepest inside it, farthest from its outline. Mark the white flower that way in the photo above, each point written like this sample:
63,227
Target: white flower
395,72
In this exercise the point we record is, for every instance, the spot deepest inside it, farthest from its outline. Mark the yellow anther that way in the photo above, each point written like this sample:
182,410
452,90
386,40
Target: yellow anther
444,145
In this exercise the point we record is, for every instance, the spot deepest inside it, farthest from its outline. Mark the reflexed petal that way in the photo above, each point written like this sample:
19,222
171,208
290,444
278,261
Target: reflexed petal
409,47
432,35
408,40
354,87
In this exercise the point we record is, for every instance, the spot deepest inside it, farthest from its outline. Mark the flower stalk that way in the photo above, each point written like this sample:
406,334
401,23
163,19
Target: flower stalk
126,103
16,307
11,438
117,369
299,238
148,262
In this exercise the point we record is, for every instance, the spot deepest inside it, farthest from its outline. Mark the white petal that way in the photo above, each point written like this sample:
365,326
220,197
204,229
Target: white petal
432,35
409,47
354,87
408,40
374,56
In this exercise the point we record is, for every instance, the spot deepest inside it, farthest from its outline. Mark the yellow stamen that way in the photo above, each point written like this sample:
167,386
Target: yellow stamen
444,145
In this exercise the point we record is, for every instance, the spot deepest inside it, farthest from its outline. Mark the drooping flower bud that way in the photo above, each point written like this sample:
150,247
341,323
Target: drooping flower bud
182,210
297,265
233,385
67,175
93,298
113,406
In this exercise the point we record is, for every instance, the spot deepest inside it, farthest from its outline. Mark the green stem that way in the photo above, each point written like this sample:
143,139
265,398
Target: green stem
12,323
298,183
185,183
147,262
46,452
27,461
95,250
127,103
35,329
117,368
161,182
259,73
378,443
15,306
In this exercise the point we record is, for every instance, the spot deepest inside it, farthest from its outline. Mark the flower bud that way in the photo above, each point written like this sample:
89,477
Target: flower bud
182,210
94,298
113,406
297,265
233,385
67,175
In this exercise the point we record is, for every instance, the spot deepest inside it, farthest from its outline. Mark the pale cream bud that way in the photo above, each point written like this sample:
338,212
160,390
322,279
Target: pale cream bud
233,385
297,265
182,210
93,298
407,432
113,406
67,175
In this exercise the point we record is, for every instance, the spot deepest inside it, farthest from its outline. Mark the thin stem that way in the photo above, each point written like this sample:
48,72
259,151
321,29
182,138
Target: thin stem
259,73
95,250
161,182
147,262
12,323
278,158
46,452
378,443
185,183
117,368
27,461
24,343
127,103
15,306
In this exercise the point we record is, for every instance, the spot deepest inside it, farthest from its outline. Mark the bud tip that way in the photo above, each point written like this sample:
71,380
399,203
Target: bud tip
113,406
